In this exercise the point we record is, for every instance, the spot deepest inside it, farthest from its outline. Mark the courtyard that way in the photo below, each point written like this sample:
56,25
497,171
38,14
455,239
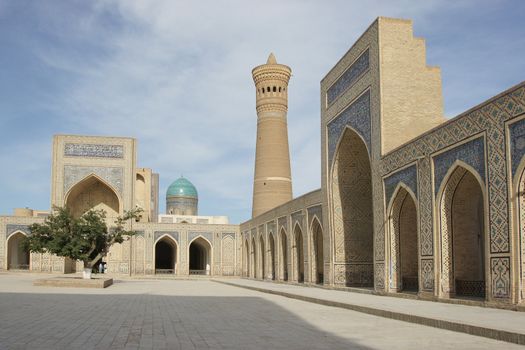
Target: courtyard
197,314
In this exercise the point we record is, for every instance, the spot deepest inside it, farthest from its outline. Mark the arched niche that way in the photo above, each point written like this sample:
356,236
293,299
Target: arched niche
200,256
462,234
403,241
299,254
352,216
283,261
165,255
317,252
271,257
262,252
18,258
93,193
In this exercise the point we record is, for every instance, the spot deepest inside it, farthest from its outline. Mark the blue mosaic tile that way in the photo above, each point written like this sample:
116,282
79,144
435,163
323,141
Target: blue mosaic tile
349,77
317,211
408,176
517,144
472,153
174,235
207,235
12,228
357,116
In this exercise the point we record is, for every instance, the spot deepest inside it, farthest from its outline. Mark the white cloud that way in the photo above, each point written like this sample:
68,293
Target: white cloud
177,76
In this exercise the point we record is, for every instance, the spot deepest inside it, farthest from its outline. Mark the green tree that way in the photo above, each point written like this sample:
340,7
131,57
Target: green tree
86,238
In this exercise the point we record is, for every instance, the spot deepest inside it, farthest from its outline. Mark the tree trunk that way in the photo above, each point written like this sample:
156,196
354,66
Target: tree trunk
88,267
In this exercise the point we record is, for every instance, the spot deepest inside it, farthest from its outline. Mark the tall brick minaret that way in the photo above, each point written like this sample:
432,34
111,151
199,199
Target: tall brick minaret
272,183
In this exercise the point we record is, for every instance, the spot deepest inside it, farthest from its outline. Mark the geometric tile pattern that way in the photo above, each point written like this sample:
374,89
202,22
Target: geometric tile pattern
472,153
348,78
315,211
174,235
500,268
112,175
517,143
12,228
207,235
357,116
427,274
408,176
489,119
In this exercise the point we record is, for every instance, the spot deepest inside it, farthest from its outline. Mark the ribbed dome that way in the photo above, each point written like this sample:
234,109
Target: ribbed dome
183,188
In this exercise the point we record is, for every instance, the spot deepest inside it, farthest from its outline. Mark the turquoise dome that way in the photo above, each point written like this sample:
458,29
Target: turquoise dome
182,187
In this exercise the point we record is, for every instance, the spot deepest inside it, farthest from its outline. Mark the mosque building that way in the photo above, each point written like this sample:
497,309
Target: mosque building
410,202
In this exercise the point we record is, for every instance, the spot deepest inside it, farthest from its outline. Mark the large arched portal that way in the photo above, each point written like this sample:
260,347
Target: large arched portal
272,256
462,236
165,256
299,254
17,257
351,188
403,243
200,260
317,239
92,193
284,256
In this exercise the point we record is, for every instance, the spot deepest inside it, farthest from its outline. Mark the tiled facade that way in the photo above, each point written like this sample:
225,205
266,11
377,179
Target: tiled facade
388,159
425,163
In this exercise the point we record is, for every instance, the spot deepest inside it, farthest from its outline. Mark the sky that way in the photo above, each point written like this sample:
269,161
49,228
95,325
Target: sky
176,75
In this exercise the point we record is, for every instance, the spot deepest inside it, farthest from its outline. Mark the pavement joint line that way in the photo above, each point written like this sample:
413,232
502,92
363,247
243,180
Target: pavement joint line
491,333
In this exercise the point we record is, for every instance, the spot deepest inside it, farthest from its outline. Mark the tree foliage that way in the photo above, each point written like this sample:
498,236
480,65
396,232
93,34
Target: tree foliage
86,238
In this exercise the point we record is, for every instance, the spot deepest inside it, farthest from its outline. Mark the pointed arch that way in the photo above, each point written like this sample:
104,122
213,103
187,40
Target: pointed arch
283,255
271,256
262,251
254,257
462,233
403,256
351,212
298,253
317,260
166,250
18,258
246,258
93,192
200,256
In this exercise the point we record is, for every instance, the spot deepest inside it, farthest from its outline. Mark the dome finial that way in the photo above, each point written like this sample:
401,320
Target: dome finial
271,59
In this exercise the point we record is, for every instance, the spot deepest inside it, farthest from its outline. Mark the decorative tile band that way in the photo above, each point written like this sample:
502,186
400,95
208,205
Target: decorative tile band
283,221
74,174
317,211
357,116
349,77
472,153
93,150
174,235
12,228
408,176
207,235
517,144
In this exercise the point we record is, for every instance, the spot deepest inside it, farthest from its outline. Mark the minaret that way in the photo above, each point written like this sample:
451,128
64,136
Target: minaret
272,183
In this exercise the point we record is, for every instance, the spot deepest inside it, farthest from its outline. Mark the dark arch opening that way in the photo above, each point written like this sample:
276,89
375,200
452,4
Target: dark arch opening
200,262
318,252
165,256
17,257
272,256
284,256
299,254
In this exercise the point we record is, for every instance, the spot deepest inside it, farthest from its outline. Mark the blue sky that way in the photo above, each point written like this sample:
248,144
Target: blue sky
176,75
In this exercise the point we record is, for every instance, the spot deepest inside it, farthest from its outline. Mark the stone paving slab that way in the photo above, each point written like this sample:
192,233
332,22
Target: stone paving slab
76,282
164,314
504,325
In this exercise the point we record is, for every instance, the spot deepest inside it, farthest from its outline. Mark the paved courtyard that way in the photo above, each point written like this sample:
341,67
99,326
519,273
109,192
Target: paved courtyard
178,314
